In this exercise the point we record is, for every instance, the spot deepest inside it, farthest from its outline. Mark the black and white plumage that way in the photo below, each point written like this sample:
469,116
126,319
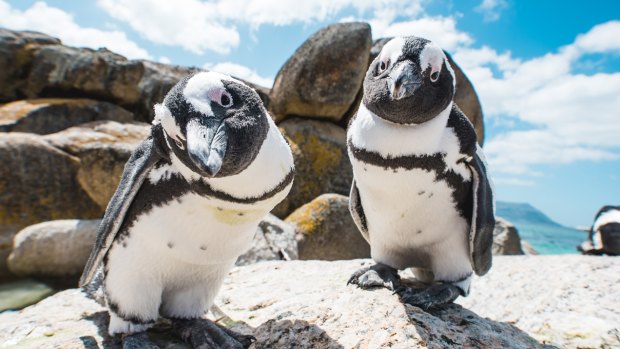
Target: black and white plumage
189,201
421,195
604,236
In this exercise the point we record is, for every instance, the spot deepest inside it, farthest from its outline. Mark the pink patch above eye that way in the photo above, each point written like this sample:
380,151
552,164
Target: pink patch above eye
215,94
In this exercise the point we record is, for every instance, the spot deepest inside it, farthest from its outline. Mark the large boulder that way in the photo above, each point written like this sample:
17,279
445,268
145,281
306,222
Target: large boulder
45,116
274,240
321,162
307,304
326,231
56,249
38,183
465,96
506,240
103,148
323,76
15,59
39,66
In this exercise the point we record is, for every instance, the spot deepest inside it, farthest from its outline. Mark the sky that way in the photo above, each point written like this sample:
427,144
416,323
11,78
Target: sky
547,72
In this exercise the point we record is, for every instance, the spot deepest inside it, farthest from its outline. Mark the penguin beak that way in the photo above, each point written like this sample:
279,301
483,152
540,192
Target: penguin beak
206,145
403,80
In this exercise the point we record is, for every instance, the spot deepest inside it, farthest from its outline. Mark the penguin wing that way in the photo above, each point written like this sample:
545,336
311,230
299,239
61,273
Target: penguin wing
483,215
357,211
136,169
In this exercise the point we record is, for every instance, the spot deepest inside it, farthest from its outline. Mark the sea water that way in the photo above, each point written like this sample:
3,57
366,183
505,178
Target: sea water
549,239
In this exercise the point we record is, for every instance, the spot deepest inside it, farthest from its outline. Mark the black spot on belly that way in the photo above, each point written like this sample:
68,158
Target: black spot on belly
203,247
240,214
421,192
430,195
124,244
419,231
170,244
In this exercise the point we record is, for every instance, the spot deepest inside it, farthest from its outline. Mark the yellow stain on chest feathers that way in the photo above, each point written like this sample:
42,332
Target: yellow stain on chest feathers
235,217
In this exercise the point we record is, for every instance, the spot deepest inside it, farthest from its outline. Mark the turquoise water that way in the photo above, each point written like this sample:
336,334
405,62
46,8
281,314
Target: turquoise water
549,239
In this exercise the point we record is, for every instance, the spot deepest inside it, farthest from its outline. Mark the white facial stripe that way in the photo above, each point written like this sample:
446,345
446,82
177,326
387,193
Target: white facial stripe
392,50
432,56
202,87
164,117
198,90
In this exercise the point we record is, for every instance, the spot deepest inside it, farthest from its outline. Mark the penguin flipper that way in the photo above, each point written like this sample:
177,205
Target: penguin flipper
357,211
144,157
483,215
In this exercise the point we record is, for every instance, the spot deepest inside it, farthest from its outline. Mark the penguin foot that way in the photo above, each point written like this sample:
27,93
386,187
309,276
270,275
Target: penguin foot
430,297
138,340
203,333
378,275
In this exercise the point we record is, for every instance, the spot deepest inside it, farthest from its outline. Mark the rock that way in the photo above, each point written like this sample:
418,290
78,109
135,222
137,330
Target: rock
321,162
506,240
570,301
45,116
19,294
323,76
38,183
69,71
307,304
15,52
465,96
42,67
274,240
326,231
528,249
467,99
103,148
53,249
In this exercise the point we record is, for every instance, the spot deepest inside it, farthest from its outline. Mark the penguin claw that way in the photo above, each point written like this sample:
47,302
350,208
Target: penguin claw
430,297
203,333
378,275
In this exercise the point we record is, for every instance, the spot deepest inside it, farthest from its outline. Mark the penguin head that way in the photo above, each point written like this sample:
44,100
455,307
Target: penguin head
214,124
409,82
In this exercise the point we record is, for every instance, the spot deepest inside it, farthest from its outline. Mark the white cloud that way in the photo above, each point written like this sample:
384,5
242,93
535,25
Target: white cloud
601,38
240,71
58,23
491,9
198,26
574,116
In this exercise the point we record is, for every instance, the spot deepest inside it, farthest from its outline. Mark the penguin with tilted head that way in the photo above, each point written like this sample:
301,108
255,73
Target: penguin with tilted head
188,204
421,195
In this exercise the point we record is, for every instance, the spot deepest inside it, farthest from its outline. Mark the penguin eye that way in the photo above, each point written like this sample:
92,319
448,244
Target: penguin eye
434,76
225,100
179,143
382,66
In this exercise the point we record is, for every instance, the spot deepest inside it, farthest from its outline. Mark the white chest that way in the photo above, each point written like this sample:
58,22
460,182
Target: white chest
197,230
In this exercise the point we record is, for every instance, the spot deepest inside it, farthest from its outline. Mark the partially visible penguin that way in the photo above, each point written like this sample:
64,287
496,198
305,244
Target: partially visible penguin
188,204
604,236
421,195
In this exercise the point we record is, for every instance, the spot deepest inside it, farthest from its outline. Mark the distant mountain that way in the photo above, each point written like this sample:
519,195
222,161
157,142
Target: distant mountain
522,213
545,235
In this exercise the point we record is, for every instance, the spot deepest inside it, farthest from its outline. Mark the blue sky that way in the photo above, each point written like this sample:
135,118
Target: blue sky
547,72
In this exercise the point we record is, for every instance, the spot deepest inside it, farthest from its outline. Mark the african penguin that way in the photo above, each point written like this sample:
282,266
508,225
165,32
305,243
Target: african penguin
420,196
188,204
604,235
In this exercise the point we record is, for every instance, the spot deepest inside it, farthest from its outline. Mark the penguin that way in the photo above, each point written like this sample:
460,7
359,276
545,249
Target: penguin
421,195
188,204
604,235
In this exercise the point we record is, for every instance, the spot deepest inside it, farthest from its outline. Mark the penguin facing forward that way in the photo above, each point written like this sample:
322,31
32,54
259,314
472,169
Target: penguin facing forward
421,196
188,204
